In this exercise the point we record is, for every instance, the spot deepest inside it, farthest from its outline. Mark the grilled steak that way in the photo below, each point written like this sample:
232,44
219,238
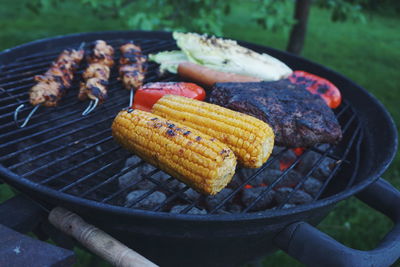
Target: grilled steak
299,118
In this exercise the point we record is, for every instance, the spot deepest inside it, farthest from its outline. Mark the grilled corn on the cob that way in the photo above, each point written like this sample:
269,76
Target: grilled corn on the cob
250,139
200,161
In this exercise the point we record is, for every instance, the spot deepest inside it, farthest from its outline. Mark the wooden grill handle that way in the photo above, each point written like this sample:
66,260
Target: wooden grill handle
96,240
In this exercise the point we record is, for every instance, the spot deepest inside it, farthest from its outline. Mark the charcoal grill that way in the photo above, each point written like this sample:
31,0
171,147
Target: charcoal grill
62,158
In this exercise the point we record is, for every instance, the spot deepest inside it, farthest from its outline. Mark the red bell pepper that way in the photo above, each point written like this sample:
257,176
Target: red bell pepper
147,95
319,86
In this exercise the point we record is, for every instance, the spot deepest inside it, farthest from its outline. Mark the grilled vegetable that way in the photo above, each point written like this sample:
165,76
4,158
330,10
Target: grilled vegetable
221,55
251,139
96,75
52,86
200,161
147,95
169,60
318,86
207,76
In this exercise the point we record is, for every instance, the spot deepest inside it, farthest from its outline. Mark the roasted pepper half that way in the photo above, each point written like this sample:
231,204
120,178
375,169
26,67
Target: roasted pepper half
147,95
319,86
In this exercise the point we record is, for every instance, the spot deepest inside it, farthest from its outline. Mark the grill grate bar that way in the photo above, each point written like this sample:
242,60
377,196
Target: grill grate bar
141,197
40,68
152,70
125,189
82,163
112,178
114,86
56,51
280,178
68,156
270,161
53,138
26,70
357,160
171,198
7,107
271,186
51,55
99,170
43,122
161,185
14,96
331,156
305,177
194,204
21,81
69,179
336,168
15,141
39,156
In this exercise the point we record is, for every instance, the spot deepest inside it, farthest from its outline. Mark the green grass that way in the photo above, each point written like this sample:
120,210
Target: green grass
367,53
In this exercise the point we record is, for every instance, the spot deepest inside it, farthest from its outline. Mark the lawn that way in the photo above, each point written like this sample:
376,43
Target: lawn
367,53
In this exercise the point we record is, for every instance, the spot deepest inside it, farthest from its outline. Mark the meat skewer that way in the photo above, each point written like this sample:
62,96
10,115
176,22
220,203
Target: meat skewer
100,60
53,84
132,70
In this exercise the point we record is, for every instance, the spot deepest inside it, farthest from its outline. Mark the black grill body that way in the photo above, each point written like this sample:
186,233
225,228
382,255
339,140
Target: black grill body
183,239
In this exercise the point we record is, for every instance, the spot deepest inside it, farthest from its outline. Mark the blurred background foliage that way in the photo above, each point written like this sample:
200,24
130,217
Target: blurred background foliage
358,38
205,16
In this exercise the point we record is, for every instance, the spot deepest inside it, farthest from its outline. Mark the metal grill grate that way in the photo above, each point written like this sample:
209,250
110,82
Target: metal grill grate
76,155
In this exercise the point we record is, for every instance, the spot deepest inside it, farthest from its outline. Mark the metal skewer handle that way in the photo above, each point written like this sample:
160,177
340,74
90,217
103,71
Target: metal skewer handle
96,240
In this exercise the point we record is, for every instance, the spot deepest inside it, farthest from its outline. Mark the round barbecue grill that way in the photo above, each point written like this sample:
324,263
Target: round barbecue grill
62,158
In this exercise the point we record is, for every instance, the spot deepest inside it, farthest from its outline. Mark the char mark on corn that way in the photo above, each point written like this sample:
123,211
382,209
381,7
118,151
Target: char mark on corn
206,166
251,139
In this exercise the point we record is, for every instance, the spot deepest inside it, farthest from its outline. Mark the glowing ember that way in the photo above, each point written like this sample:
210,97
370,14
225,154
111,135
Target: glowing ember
286,162
298,151
248,186
283,164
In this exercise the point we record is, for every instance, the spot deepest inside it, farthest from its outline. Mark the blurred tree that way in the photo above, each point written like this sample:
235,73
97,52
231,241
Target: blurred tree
341,10
208,15
298,32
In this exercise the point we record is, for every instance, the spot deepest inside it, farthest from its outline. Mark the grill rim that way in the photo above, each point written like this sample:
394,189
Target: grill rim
13,178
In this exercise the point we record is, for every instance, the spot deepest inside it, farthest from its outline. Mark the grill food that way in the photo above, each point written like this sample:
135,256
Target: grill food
318,86
196,159
298,118
68,160
251,139
96,76
147,95
53,84
221,55
131,68
207,76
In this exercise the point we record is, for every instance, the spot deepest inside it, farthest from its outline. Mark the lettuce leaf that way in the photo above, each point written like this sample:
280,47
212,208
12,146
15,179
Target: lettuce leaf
222,55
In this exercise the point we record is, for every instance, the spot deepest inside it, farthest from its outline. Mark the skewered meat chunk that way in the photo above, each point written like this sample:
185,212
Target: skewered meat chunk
52,86
132,76
299,118
131,54
96,70
96,75
132,71
202,162
101,53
